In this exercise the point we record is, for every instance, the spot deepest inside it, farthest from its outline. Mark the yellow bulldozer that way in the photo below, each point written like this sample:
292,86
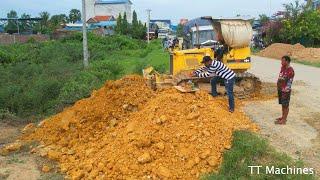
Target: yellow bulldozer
231,46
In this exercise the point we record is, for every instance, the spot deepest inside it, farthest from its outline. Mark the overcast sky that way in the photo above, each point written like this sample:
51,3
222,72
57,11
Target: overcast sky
161,9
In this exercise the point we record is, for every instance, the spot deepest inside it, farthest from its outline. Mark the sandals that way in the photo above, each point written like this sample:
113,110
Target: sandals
280,122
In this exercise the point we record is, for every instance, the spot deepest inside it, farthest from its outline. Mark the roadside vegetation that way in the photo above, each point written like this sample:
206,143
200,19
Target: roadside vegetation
308,63
40,79
297,24
250,150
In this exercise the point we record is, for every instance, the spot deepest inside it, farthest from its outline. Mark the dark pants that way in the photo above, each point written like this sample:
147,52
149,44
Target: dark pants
284,98
229,88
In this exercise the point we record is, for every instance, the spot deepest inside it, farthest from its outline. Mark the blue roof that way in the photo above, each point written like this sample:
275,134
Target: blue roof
105,23
173,27
113,2
77,28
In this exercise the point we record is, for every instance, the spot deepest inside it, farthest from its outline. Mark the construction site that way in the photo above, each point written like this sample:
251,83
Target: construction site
201,103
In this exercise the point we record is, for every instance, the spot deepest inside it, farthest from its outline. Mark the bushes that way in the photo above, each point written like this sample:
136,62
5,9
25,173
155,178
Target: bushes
40,79
249,150
32,89
82,84
299,25
5,57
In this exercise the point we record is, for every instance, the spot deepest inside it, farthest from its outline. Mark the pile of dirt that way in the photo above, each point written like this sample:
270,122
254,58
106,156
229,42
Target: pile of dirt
126,130
296,51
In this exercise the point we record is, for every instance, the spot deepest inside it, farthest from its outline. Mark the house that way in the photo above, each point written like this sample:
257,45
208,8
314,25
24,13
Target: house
161,23
96,8
105,25
98,19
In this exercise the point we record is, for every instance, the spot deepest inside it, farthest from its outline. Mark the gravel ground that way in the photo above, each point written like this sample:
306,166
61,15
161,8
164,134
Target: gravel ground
300,137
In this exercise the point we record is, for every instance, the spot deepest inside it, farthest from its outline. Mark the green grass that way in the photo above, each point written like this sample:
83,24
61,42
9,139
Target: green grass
308,63
255,50
249,150
14,159
40,79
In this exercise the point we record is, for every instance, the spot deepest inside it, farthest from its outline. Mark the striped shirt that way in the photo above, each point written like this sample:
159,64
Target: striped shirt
218,68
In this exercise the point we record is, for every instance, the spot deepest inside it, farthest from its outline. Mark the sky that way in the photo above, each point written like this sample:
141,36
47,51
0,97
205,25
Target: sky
161,9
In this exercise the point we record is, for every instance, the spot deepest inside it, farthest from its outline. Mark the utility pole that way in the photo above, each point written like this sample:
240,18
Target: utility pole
18,26
85,38
148,25
270,8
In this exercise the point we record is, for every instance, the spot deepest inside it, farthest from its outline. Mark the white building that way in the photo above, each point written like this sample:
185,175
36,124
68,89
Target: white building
108,8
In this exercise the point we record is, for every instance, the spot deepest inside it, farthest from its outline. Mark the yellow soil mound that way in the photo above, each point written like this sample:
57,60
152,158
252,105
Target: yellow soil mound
296,51
125,130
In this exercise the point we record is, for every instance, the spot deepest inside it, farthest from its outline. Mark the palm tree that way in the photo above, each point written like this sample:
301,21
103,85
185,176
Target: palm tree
45,16
74,15
13,24
293,10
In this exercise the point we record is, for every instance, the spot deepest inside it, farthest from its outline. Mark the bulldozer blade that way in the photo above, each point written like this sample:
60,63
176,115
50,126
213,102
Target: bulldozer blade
184,90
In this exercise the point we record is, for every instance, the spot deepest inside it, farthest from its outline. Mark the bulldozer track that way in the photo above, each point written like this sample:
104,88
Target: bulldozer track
244,92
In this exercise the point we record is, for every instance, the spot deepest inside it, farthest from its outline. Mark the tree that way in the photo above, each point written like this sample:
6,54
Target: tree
119,25
25,25
180,32
57,20
135,26
135,19
74,15
293,10
142,30
272,30
305,29
136,30
125,25
12,25
263,19
44,23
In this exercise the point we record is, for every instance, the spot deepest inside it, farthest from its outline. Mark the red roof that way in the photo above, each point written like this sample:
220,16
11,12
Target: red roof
103,18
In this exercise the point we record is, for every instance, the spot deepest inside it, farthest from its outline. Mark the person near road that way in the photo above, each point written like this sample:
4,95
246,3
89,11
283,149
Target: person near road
284,88
219,71
164,43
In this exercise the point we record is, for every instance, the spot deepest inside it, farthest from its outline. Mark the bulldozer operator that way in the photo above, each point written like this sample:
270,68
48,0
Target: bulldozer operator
220,71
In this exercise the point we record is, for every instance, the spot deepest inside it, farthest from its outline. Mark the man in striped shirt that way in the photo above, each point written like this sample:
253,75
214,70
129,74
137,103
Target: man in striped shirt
217,70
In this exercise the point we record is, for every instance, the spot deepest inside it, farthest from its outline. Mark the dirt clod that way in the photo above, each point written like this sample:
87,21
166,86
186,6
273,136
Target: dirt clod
164,172
16,146
46,168
144,158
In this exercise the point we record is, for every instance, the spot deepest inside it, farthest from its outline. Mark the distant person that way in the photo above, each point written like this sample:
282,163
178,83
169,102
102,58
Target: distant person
220,71
284,88
164,42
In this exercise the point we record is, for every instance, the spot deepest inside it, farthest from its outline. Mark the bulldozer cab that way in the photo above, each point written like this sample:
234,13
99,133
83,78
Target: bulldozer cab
226,40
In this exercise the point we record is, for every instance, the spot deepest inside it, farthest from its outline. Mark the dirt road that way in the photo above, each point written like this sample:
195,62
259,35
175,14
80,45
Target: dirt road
300,137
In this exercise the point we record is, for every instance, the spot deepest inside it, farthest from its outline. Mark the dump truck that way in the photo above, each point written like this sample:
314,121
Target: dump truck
231,46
